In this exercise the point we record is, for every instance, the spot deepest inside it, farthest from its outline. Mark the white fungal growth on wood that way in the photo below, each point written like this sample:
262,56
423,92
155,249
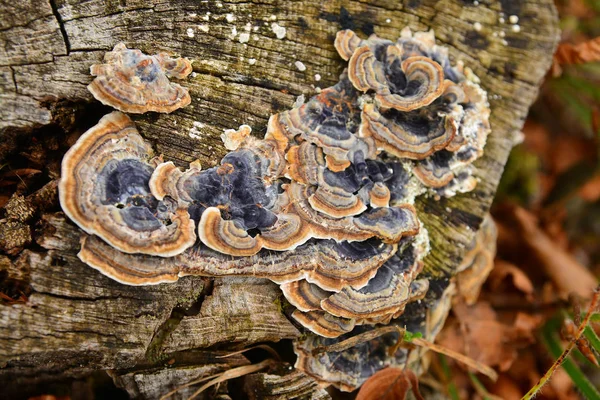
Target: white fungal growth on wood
278,30
244,37
300,66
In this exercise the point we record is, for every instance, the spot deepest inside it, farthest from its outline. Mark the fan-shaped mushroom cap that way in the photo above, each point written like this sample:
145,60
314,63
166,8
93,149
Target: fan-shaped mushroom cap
386,294
303,295
104,188
323,323
349,368
130,269
233,139
335,194
435,171
226,236
326,263
178,68
389,224
133,82
402,79
324,121
304,163
346,42
409,135
379,195
365,71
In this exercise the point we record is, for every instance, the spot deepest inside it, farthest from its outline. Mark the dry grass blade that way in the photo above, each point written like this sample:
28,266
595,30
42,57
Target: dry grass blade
232,373
363,337
268,349
582,344
469,362
544,379
566,273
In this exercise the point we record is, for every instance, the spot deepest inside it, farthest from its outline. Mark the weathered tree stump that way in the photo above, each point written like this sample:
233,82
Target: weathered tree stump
76,321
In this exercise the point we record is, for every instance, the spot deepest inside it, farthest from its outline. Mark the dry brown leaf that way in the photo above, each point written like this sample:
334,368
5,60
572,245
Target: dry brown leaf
580,53
390,384
525,324
588,51
590,191
506,388
566,273
567,151
502,270
478,334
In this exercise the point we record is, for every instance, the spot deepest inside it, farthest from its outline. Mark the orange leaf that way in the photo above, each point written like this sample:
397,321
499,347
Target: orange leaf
390,384
580,53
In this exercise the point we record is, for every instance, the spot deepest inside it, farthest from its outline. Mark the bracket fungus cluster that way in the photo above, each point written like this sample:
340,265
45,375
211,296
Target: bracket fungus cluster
322,205
133,82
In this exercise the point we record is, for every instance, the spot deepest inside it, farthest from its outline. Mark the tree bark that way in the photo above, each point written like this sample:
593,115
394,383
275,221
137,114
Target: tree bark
76,321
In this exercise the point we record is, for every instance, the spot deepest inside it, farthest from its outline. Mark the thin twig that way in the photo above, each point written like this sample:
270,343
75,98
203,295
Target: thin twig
233,373
572,343
363,337
269,349
482,368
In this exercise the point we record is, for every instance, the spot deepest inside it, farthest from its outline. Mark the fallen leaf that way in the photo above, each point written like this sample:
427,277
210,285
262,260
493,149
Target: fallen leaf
525,324
590,191
504,269
580,53
478,334
390,384
506,388
566,273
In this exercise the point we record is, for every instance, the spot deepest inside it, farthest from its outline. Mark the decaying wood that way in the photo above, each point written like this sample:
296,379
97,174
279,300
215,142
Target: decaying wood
75,320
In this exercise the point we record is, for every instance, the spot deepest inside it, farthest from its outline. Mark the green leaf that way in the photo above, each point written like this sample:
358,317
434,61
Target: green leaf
591,336
408,336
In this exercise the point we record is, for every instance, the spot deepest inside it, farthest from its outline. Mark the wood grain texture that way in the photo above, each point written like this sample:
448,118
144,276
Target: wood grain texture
76,320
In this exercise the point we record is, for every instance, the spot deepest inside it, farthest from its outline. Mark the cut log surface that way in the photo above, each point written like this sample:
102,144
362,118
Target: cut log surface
245,58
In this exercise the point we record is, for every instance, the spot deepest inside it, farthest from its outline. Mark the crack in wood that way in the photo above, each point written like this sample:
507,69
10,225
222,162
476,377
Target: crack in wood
61,25
154,351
